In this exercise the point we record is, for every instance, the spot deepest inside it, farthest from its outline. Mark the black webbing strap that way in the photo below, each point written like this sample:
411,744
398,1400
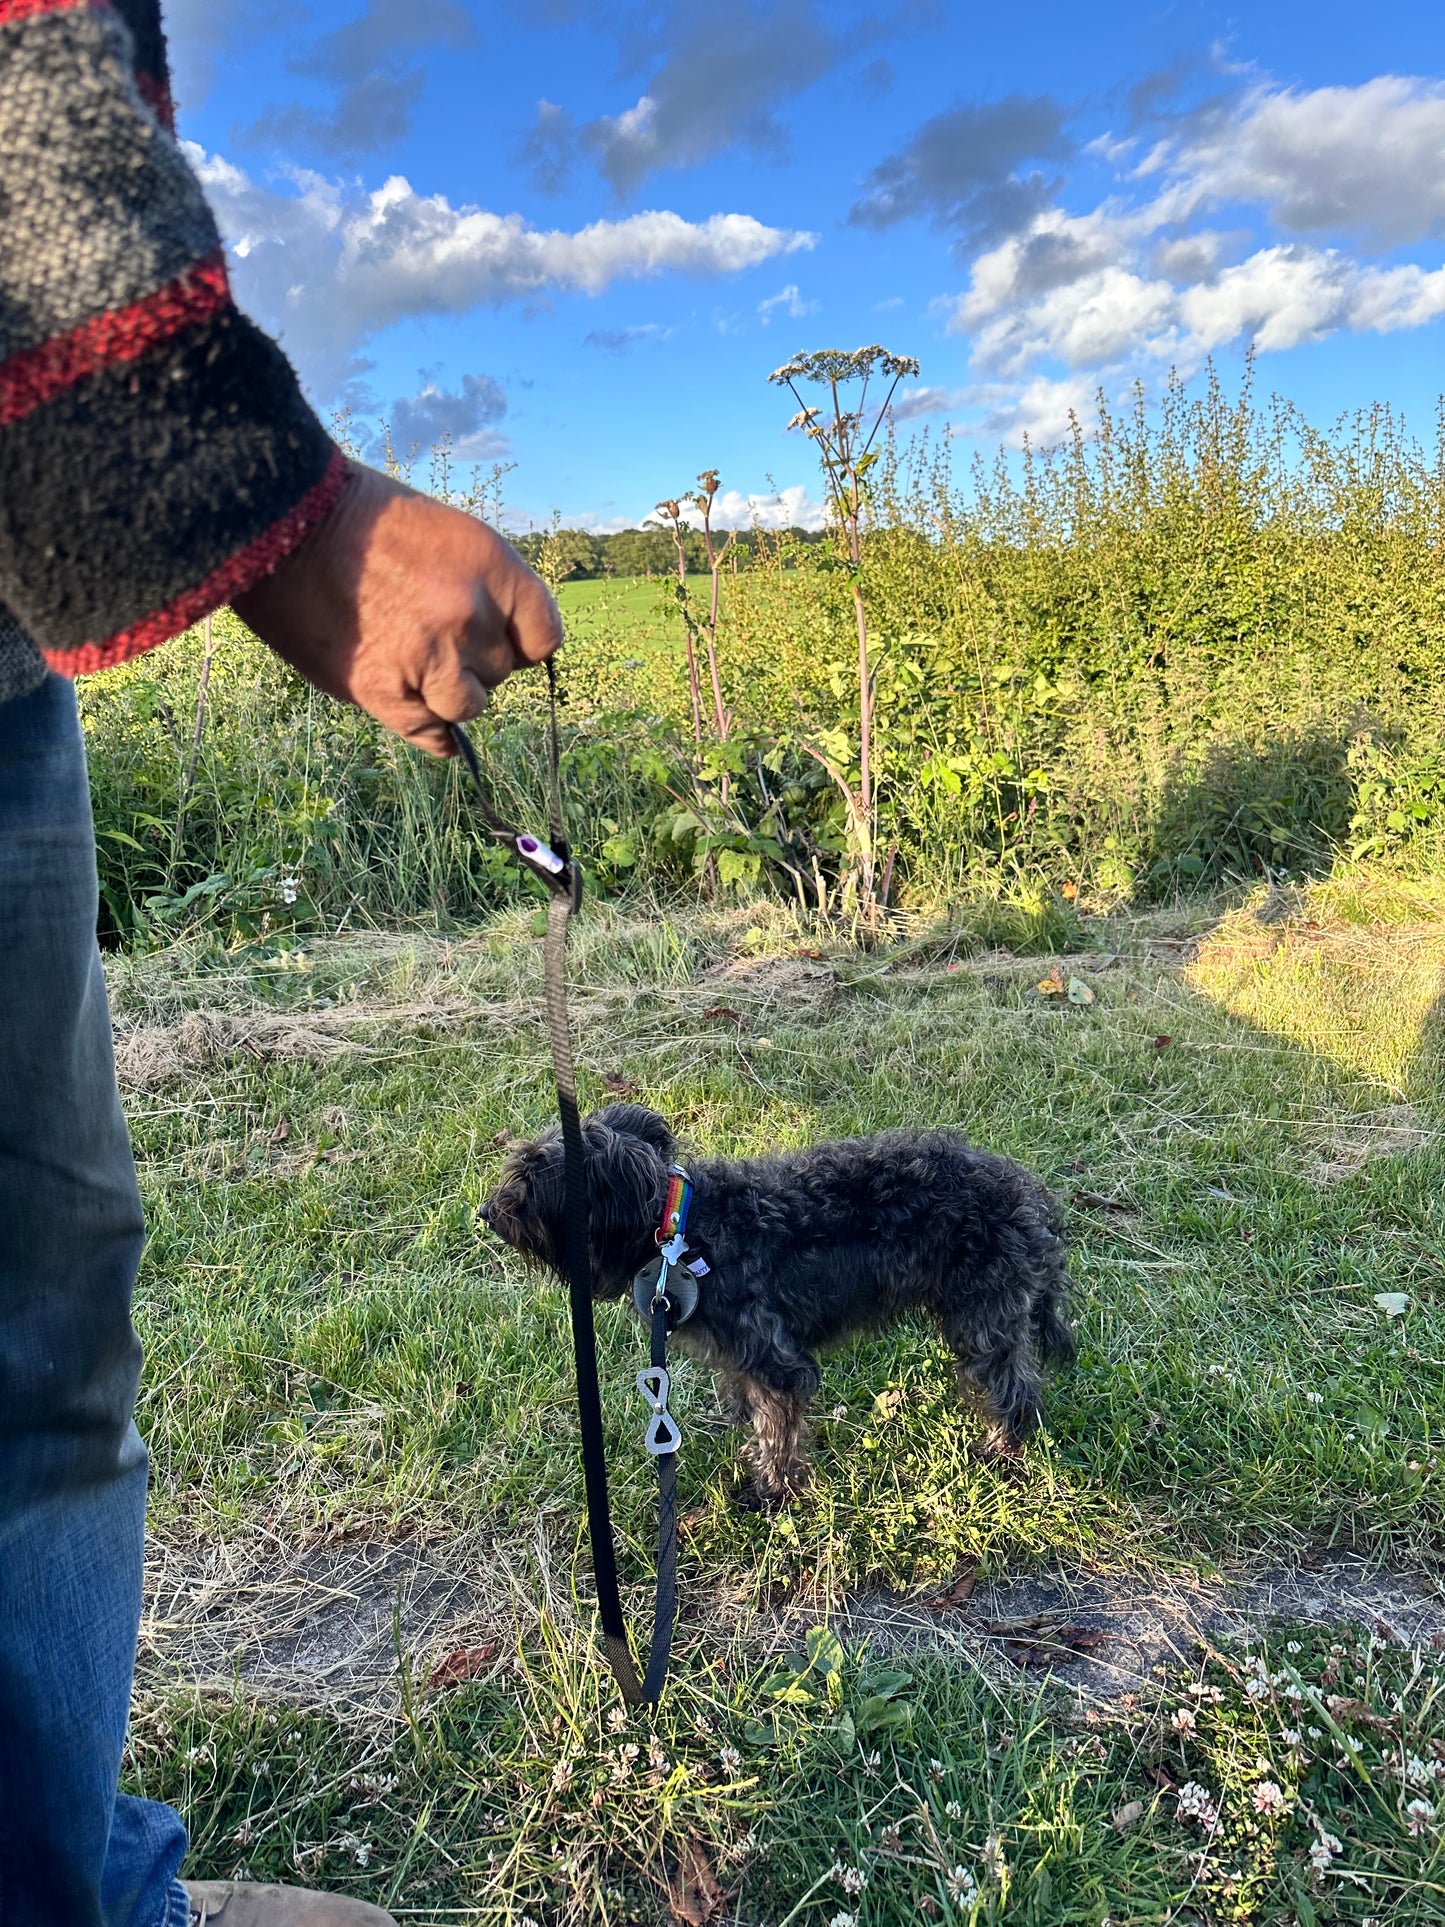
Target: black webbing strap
563,879
665,1606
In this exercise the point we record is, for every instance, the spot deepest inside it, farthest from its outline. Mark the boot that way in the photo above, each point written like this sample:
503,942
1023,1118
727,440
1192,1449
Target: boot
245,1903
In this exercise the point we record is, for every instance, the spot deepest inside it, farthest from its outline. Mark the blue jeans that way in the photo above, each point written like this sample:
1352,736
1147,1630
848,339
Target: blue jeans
72,1466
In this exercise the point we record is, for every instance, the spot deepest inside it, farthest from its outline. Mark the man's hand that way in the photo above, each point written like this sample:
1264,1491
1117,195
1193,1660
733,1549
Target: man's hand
412,610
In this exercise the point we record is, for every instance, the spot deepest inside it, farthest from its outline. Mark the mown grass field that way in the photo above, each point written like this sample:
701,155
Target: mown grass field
1245,1117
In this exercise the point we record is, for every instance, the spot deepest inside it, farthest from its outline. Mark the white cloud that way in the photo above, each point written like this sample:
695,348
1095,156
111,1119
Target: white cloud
790,301
331,266
1366,160
1042,411
912,403
1143,280
789,508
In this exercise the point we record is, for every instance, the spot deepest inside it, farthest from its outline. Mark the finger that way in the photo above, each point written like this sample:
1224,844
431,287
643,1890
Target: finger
535,629
452,689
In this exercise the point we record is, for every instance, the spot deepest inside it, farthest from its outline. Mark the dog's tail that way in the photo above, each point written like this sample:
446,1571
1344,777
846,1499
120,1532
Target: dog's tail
1052,1330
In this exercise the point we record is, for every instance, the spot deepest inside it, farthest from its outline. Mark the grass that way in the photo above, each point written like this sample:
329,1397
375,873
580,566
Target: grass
335,1354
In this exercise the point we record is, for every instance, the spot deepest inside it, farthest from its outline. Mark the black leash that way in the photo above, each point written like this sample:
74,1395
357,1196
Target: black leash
555,868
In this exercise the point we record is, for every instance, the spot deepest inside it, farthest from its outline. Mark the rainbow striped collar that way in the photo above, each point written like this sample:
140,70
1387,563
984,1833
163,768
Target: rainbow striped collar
671,1234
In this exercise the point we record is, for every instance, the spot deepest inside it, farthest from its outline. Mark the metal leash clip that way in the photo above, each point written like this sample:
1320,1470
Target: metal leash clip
554,868
663,1435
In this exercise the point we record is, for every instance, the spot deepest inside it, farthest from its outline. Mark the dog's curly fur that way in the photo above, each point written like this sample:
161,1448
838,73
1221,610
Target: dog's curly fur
809,1246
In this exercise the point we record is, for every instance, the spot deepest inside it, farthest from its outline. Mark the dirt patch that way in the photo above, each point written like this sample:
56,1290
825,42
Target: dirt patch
333,1624
1385,1133
325,1625
149,1056
1146,1623
779,979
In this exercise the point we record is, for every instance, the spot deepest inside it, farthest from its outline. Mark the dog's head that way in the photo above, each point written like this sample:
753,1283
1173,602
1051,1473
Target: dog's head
628,1149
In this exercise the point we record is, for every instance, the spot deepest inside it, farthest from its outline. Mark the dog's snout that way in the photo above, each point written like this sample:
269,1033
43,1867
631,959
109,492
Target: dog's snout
484,1212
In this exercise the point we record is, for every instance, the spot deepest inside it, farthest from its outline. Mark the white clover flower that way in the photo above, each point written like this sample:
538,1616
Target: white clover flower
1198,1803
1314,1398
1419,1816
290,889
1257,1689
1183,1720
1323,1852
1293,1646
617,1719
935,1769
1269,1798
851,1879
561,1776
656,1758
953,1810
961,1885
843,1920
730,1759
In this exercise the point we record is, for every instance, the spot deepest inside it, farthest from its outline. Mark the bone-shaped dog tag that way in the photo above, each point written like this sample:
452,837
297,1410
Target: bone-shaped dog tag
663,1435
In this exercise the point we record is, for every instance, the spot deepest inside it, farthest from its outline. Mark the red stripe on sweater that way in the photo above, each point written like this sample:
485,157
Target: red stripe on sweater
15,10
239,573
36,376
156,95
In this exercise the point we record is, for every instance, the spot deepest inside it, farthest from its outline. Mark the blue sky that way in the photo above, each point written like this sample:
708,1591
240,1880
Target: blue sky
580,236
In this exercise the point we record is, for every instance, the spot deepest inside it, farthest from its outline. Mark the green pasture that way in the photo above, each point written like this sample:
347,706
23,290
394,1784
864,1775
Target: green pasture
1242,1109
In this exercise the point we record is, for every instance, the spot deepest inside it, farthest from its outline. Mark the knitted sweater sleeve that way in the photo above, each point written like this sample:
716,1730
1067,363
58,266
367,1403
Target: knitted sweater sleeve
156,455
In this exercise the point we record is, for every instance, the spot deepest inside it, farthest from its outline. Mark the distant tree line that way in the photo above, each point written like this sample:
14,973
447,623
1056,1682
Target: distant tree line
582,556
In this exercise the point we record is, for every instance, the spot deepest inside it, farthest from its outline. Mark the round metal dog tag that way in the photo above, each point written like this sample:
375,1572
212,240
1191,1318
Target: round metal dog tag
681,1291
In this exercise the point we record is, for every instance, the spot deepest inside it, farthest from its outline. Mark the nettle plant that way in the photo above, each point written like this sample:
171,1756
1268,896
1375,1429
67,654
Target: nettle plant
845,433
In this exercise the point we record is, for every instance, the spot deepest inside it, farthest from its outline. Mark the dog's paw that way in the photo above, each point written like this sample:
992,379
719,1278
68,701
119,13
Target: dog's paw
748,1497
1000,1453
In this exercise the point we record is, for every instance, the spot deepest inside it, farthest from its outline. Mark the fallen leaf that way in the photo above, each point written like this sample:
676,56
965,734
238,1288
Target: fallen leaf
691,1519
721,1014
1096,1201
255,1050
502,1137
1079,991
693,1892
1160,1778
1162,1042
1053,1645
1126,1816
815,955
1359,1711
887,1403
1068,891
1050,986
467,1662
958,1594
1394,1304
619,1085
954,968
281,1132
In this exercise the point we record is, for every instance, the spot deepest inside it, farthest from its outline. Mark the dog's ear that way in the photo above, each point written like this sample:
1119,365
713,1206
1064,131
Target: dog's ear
635,1120
626,1176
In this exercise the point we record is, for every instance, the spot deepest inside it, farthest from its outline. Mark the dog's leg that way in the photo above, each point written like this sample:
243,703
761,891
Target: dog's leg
777,1450
732,1396
997,1372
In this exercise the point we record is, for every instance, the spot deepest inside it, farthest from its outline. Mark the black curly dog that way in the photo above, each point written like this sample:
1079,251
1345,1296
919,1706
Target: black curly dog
803,1248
